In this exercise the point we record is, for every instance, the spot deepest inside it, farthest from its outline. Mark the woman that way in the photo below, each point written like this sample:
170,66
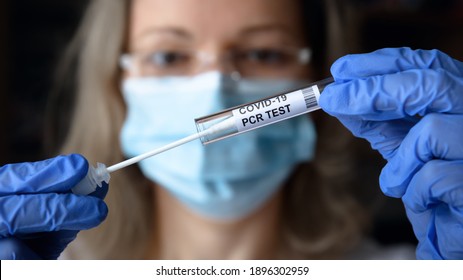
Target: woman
311,216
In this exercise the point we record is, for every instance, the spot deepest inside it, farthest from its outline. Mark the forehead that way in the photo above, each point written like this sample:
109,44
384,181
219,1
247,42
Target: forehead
213,18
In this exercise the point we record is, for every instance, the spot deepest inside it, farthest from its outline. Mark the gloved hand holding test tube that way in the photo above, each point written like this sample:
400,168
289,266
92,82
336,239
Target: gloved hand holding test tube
224,124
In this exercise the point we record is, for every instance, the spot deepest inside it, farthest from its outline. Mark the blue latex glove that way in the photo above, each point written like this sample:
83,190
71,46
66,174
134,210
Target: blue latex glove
39,216
409,106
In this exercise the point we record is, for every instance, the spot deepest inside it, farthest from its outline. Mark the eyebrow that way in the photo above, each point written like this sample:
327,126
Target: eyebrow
177,32
266,28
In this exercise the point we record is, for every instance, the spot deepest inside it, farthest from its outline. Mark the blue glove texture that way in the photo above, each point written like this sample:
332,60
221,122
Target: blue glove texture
39,216
409,105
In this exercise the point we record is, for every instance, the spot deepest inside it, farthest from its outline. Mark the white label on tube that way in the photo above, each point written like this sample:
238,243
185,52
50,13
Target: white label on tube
276,108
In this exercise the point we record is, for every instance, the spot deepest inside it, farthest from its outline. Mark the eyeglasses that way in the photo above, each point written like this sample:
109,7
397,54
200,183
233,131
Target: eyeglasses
252,62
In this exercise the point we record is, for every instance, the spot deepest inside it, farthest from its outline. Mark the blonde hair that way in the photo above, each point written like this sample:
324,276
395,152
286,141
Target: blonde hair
319,221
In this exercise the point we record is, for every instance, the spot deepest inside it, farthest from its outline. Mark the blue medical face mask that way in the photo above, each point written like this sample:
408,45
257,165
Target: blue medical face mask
225,180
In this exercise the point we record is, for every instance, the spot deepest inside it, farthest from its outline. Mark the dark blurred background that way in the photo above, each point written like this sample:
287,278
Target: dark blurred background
33,35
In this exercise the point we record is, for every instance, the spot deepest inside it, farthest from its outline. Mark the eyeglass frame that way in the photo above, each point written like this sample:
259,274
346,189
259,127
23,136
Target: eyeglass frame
303,57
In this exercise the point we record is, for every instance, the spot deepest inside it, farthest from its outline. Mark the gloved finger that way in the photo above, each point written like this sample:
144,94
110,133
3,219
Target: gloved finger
438,181
58,174
435,136
21,214
12,248
423,226
392,60
384,136
394,96
48,245
434,205
440,237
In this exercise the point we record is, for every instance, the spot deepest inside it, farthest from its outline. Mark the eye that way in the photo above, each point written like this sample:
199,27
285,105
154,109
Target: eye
165,59
263,56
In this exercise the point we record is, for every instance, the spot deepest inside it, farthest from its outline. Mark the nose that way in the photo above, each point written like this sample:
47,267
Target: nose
215,61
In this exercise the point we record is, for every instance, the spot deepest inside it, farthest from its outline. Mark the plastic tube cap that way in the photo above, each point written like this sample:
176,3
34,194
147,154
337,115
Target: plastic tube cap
94,178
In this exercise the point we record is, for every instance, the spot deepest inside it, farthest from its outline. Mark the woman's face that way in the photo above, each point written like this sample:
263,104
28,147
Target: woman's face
257,38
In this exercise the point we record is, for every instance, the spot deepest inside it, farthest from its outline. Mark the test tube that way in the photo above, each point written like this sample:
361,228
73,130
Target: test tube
260,113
